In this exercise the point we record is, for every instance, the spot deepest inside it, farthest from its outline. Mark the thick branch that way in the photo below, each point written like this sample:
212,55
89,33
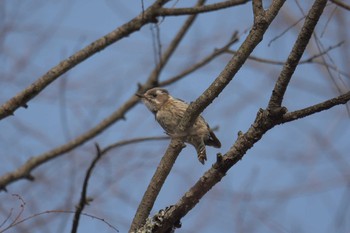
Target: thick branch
214,175
22,98
296,53
157,181
263,122
200,9
253,39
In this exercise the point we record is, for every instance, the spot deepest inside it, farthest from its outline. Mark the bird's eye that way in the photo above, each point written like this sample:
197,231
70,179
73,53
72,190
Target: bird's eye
154,95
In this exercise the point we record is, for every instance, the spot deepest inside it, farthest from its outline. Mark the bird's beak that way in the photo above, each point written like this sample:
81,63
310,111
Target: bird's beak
140,95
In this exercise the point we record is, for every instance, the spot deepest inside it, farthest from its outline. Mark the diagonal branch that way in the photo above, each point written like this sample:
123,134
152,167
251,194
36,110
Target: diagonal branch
203,62
263,122
195,108
167,160
304,61
22,98
254,37
341,4
164,167
291,116
200,9
296,54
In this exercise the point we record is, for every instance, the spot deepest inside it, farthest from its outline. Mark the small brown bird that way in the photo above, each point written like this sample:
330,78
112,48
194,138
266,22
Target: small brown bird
169,112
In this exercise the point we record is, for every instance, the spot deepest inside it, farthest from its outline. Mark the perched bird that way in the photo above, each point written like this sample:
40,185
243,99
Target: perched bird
169,111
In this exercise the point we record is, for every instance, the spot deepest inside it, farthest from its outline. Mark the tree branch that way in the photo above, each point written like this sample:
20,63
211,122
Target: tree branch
254,37
168,159
263,122
195,108
84,200
22,98
296,54
200,9
201,63
258,10
291,116
341,4
157,181
304,61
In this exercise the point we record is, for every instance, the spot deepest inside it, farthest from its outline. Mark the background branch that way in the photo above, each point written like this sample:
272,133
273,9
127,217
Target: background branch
22,98
200,9
341,4
84,200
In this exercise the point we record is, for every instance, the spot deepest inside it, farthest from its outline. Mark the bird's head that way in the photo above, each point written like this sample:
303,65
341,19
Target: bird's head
154,98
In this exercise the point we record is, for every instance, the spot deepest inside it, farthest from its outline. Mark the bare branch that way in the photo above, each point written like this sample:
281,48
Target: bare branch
22,98
304,61
253,39
168,159
61,212
17,217
23,172
341,4
214,175
84,200
286,30
201,63
291,116
157,181
258,10
153,79
132,141
296,53
200,9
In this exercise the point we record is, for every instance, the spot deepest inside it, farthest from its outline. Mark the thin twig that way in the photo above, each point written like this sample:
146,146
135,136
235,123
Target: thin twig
62,212
203,62
18,216
285,30
132,141
304,61
84,200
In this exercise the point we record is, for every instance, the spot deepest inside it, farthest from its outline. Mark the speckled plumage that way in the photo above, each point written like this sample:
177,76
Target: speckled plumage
169,112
